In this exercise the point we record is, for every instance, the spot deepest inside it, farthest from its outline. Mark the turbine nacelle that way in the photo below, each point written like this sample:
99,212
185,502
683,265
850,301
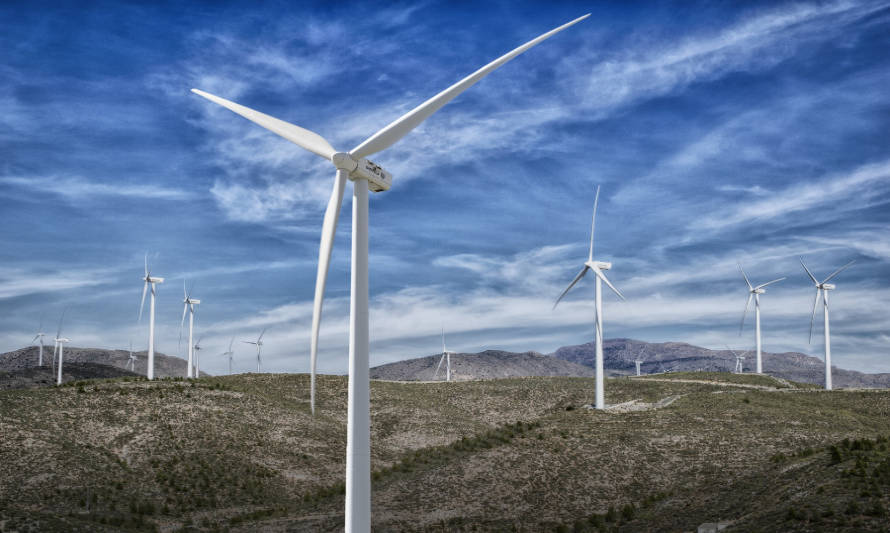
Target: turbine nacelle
152,279
63,340
191,301
378,179
758,291
827,286
601,265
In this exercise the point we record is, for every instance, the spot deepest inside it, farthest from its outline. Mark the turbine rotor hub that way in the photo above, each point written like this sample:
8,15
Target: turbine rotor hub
378,179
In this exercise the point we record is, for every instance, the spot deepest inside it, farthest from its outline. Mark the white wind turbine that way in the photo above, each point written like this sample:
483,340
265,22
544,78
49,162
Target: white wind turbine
131,361
822,287
259,346
446,356
755,292
739,361
39,336
365,175
188,306
230,353
638,362
197,348
150,280
597,267
60,342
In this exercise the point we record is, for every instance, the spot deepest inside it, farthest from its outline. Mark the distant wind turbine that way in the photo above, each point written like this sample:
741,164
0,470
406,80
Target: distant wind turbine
60,342
638,362
446,356
755,292
39,337
739,360
188,306
131,362
597,267
230,353
259,346
150,280
365,175
197,348
822,287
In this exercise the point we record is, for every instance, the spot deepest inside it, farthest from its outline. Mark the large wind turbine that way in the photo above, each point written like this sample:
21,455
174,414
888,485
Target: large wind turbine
150,280
755,292
446,356
188,306
365,175
822,287
597,267
39,336
259,346
230,353
60,342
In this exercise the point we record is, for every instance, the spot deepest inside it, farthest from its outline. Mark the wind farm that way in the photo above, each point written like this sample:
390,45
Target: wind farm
703,147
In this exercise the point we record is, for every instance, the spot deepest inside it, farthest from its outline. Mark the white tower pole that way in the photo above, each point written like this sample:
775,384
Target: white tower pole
757,331
150,372
189,373
59,378
358,429
827,341
638,367
40,353
600,394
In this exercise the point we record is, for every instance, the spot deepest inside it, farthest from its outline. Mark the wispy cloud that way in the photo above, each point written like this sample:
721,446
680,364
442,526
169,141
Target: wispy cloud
18,281
76,188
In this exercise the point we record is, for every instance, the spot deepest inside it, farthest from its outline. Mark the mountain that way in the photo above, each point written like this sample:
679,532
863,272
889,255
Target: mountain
619,356
490,364
43,376
165,365
243,454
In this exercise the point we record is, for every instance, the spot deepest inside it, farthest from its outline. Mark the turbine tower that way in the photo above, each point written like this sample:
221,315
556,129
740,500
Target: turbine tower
131,361
365,176
755,292
230,353
259,346
60,342
597,267
39,337
446,356
188,306
153,281
638,362
197,348
822,288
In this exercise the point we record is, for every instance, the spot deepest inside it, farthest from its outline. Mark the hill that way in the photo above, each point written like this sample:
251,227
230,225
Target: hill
24,358
619,356
43,376
242,453
490,364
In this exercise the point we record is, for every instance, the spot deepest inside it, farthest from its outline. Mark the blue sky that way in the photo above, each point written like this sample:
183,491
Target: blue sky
719,132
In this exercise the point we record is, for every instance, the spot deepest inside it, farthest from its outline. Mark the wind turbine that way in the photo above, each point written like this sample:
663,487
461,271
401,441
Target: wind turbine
638,362
597,267
39,336
60,342
259,346
739,361
197,348
446,356
150,280
365,175
131,362
755,292
230,353
188,306
823,287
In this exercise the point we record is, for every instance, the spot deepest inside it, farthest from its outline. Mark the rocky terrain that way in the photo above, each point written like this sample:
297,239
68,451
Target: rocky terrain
27,358
43,376
243,454
619,356
490,364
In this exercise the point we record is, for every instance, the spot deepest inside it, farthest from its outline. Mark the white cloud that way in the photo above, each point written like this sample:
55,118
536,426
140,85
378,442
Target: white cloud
76,188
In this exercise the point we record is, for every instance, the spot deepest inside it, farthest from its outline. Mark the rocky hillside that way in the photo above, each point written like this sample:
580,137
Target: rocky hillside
619,356
165,365
490,364
43,376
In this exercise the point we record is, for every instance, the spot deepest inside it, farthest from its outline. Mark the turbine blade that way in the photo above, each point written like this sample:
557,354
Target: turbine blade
261,335
328,231
810,274
813,316
745,313
61,321
443,340
185,307
403,125
436,374
230,343
603,277
746,277
768,283
146,264
838,271
303,138
596,201
572,284
185,294
142,304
